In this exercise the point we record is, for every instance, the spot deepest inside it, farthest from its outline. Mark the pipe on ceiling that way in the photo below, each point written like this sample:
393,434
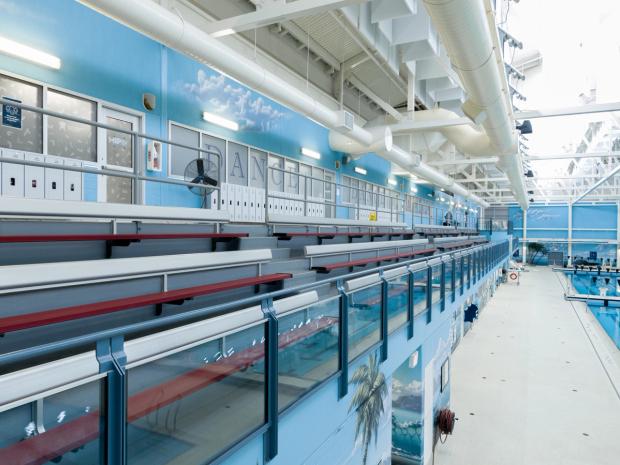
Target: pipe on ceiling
466,29
172,30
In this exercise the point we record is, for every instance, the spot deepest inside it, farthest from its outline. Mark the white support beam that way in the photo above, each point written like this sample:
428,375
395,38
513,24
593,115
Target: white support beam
465,161
275,14
598,183
580,110
570,156
375,98
407,126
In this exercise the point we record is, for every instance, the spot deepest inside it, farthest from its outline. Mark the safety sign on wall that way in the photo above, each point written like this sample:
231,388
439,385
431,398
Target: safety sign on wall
11,114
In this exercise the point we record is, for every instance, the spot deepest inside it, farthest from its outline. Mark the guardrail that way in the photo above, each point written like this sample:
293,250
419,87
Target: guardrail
270,355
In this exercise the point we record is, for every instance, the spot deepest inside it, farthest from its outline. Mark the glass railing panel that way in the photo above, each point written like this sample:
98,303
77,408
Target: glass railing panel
63,428
457,275
192,405
448,288
364,320
308,349
436,284
420,297
398,300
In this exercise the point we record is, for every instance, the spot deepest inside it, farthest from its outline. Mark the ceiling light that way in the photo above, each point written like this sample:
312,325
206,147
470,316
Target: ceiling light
220,121
392,182
18,50
414,189
311,153
222,33
360,170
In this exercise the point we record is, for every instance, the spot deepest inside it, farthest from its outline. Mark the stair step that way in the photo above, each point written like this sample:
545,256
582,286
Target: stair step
300,278
247,243
287,266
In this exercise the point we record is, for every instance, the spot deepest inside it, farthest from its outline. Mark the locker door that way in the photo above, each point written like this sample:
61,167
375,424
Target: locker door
260,205
252,210
54,182
73,181
34,184
224,197
246,203
12,175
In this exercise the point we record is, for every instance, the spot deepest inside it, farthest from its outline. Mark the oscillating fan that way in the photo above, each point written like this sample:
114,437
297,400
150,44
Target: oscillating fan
196,174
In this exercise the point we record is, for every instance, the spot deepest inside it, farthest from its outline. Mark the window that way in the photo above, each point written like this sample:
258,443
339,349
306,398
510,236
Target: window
29,136
217,158
181,156
420,297
258,168
237,162
291,181
276,177
436,284
69,139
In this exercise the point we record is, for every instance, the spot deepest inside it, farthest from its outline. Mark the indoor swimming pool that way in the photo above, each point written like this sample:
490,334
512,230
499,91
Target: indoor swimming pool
606,284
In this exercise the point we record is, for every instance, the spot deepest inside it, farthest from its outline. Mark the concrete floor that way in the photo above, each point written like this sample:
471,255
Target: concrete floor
528,386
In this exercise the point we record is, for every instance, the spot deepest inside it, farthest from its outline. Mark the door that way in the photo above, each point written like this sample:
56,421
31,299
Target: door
118,155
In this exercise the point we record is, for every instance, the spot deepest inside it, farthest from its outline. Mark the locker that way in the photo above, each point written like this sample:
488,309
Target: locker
12,175
238,203
54,182
214,198
231,202
246,203
73,181
224,197
34,179
260,205
251,204
288,207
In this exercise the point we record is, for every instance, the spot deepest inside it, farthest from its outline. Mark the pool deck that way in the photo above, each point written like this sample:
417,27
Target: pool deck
535,382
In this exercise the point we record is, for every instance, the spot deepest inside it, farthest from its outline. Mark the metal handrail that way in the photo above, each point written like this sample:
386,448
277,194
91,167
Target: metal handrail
32,352
134,174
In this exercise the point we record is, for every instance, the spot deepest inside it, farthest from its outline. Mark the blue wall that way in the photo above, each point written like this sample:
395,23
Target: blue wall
596,222
105,60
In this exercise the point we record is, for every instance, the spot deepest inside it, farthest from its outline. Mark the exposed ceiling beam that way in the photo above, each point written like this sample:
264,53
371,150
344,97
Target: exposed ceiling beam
597,184
579,110
570,156
274,14
302,37
375,98
465,161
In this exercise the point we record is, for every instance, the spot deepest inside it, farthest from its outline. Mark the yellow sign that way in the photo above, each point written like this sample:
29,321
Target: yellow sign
372,216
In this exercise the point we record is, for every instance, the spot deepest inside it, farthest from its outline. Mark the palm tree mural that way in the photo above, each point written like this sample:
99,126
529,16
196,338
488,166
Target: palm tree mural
368,401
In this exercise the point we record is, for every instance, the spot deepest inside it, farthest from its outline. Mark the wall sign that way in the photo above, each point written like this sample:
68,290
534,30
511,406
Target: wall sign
11,115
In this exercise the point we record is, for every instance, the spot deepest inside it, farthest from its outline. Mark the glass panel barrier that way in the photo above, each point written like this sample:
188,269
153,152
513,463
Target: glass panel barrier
192,405
398,300
466,270
436,284
364,320
457,276
448,281
62,427
420,298
308,349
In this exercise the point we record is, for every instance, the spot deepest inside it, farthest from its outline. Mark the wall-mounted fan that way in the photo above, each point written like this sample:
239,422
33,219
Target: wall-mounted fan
196,173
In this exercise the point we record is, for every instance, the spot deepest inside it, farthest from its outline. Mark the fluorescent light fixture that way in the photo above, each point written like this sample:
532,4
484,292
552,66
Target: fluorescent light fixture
360,170
311,153
392,182
216,119
223,33
10,47
414,189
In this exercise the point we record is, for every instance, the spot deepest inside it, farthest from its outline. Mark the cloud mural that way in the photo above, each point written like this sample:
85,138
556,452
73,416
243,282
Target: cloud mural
226,98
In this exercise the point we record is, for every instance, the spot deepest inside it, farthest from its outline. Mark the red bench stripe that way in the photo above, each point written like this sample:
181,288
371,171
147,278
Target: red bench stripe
62,439
117,237
32,320
365,261
339,233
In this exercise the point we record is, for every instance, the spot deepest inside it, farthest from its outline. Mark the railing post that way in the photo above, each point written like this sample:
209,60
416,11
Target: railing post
384,318
410,305
112,360
271,374
343,341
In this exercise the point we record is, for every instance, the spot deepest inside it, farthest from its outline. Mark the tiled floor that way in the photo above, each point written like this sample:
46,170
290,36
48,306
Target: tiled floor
528,386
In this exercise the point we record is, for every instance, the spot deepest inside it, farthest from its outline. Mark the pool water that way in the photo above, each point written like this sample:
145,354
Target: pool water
606,284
